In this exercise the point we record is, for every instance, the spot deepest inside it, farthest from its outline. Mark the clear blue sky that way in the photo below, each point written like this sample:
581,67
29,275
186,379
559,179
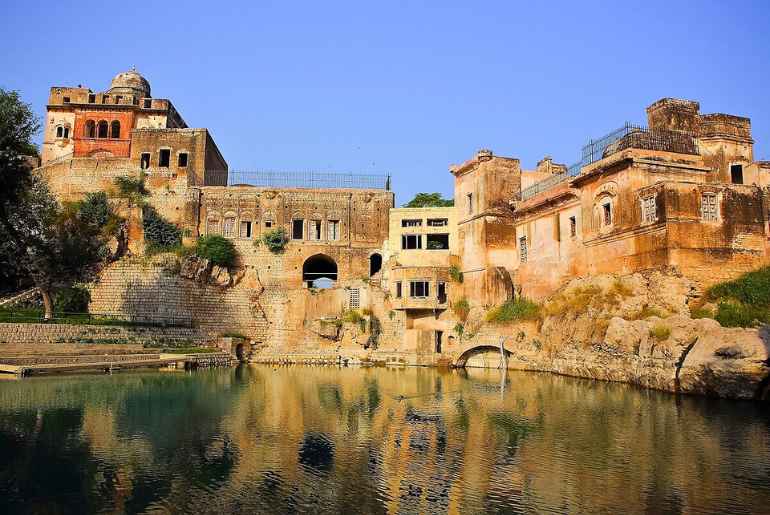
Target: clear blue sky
400,87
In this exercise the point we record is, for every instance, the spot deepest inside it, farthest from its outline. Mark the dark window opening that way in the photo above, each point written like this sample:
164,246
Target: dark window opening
411,241
419,289
736,174
182,161
607,213
319,271
91,99
147,103
66,100
66,132
297,229
105,99
411,223
118,99
246,229
115,129
164,157
398,290
572,226
90,131
469,197
102,129
375,264
268,223
144,161
438,222
439,337
441,293
437,241
59,132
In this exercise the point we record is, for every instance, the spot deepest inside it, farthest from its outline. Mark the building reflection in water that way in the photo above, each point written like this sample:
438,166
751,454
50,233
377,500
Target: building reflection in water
413,440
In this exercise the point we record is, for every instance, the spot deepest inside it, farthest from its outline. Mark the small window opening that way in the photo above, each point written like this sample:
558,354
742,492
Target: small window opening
469,198
411,223
523,251
419,289
438,338
607,213
333,229
115,130
164,157
66,100
572,226
105,99
91,99
182,161
437,241
314,229
398,289
147,103
144,161
246,229
90,131
118,99
375,264
438,222
268,223
297,229
66,132
60,132
411,241
441,293
103,129
736,174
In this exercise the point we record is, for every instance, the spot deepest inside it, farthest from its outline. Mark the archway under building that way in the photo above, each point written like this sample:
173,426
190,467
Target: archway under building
375,264
319,271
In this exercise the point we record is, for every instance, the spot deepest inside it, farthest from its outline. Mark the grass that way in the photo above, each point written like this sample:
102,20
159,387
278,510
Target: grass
701,313
743,302
352,316
514,310
35,316
660,332
647,312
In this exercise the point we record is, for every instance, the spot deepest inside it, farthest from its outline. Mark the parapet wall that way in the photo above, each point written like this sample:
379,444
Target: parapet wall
41,334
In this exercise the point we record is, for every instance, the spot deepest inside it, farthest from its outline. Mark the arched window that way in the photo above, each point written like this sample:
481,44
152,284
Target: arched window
212,224
375,264
59,131
90,131
319,271
115,129
102,129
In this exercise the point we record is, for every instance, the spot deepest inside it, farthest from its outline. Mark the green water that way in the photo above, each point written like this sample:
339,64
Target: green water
327,440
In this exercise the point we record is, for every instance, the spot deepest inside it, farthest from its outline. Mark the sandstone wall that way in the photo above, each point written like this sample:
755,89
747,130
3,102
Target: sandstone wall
43,334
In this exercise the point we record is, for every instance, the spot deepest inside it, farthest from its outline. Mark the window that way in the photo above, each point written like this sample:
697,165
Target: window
469,198
297,229
607,214
115,129
91,98
90,129
411,241
437,241
118,99
523,249
59,131
228,227
709,209
572,226
147,103
182,160
66,132
419,289
438,222
102,129
213,226
245,228
441,294
411,223
333,229
736,174
314,229
398,290
649,210
268,224
164,157
144,161
105,99
66,100
354,298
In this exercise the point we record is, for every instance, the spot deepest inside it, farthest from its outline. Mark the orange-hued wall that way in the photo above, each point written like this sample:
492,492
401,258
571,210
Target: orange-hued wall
120,147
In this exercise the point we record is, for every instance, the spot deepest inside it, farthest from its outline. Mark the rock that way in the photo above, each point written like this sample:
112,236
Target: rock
727,362
219,276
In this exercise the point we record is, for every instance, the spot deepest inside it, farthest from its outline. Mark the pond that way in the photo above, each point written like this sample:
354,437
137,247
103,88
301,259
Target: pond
261,439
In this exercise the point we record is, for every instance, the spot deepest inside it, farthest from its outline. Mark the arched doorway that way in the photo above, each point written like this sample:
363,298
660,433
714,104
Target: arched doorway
239,353
375,264
319,271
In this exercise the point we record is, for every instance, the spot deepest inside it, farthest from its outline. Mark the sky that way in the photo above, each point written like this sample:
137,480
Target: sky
403,88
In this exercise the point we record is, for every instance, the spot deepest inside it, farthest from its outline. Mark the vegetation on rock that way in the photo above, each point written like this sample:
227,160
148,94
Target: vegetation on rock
461,308
275,240
743,302
517,309
660,332
455,274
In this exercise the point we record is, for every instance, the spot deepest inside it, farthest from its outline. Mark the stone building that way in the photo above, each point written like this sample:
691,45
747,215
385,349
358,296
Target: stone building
684,192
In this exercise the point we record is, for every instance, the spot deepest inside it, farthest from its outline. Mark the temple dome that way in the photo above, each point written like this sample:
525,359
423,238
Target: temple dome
130,83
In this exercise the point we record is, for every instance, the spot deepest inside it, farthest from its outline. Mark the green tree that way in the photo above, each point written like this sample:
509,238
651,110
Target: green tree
429,200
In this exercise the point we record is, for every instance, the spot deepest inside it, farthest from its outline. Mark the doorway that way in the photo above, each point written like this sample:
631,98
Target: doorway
439,337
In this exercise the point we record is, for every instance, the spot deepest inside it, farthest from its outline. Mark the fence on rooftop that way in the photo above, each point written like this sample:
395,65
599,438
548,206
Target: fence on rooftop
308,180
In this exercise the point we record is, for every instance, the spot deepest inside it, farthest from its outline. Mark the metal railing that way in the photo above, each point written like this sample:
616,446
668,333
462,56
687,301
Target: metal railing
120,319
309,179
627,136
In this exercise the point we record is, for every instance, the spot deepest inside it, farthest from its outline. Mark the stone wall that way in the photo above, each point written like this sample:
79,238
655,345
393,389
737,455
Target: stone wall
42,334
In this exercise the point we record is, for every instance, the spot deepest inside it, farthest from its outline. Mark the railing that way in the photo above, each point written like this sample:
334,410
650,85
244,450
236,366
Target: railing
310,179
628,136
120,319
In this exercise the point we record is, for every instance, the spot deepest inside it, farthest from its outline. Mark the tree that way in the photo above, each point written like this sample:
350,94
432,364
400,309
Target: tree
55,245
429,200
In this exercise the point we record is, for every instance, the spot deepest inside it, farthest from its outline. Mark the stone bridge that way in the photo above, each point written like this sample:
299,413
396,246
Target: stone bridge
459,356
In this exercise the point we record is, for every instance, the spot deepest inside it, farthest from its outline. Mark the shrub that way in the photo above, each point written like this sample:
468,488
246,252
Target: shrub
160,235
751,288
352,316
701,313
622,289
275,240
129,186
216,249
660,332
72,300
517,309
459,329
737,314
455,274
462,308
647,312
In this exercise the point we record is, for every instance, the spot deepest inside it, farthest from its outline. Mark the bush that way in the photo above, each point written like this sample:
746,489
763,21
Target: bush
701,313
217,249
751,288
462,309
160,235
352,316
513,310
72,300
455,274
275,240
647,312
660,332
129,186
737,314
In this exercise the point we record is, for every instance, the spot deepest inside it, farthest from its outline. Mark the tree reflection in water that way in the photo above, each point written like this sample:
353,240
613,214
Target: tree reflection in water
259,439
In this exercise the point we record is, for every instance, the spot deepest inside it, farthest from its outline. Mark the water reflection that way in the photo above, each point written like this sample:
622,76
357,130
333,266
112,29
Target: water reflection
303,439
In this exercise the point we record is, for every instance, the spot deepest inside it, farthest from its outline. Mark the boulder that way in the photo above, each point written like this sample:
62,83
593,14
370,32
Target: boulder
219,276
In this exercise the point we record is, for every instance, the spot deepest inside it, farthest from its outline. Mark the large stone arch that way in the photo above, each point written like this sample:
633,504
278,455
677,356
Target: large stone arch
463,357
319,268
